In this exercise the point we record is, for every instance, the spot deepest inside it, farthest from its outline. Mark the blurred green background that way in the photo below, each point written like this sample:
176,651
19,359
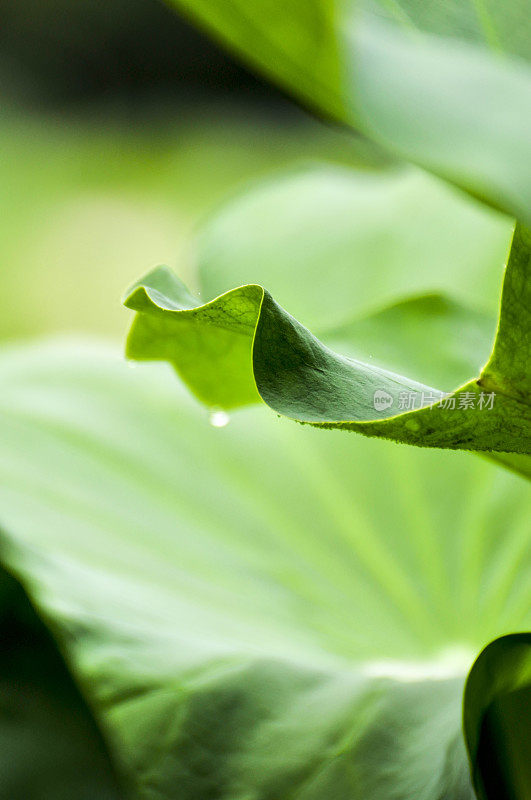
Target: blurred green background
121,126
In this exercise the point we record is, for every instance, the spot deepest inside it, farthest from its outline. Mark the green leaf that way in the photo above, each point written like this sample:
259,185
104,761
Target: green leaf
243,345
445,86
51,748
257,610
497,717
381,236
508,367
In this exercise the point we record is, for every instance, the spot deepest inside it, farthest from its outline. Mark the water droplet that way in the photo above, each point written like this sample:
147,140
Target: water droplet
218,418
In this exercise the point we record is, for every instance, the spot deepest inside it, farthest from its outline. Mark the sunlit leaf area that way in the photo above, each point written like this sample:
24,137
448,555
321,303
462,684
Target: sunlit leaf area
265,426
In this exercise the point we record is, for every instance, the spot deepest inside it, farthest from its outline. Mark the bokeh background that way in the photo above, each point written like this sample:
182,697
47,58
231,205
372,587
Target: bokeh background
121,126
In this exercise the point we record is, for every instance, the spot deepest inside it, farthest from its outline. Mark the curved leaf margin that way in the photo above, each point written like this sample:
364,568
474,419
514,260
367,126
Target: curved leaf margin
243,346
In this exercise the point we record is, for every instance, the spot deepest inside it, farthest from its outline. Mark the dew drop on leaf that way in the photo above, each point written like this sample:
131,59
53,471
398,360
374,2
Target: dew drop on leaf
218,418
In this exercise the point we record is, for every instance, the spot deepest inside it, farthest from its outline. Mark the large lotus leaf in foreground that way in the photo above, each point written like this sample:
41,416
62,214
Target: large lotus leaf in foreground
242,346
262,610
446,85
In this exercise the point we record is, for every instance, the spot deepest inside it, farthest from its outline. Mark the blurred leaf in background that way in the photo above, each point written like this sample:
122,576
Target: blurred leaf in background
120,126
446,86
84,210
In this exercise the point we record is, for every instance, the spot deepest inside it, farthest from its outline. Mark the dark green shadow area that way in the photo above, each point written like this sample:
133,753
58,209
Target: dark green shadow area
497,718
50,745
